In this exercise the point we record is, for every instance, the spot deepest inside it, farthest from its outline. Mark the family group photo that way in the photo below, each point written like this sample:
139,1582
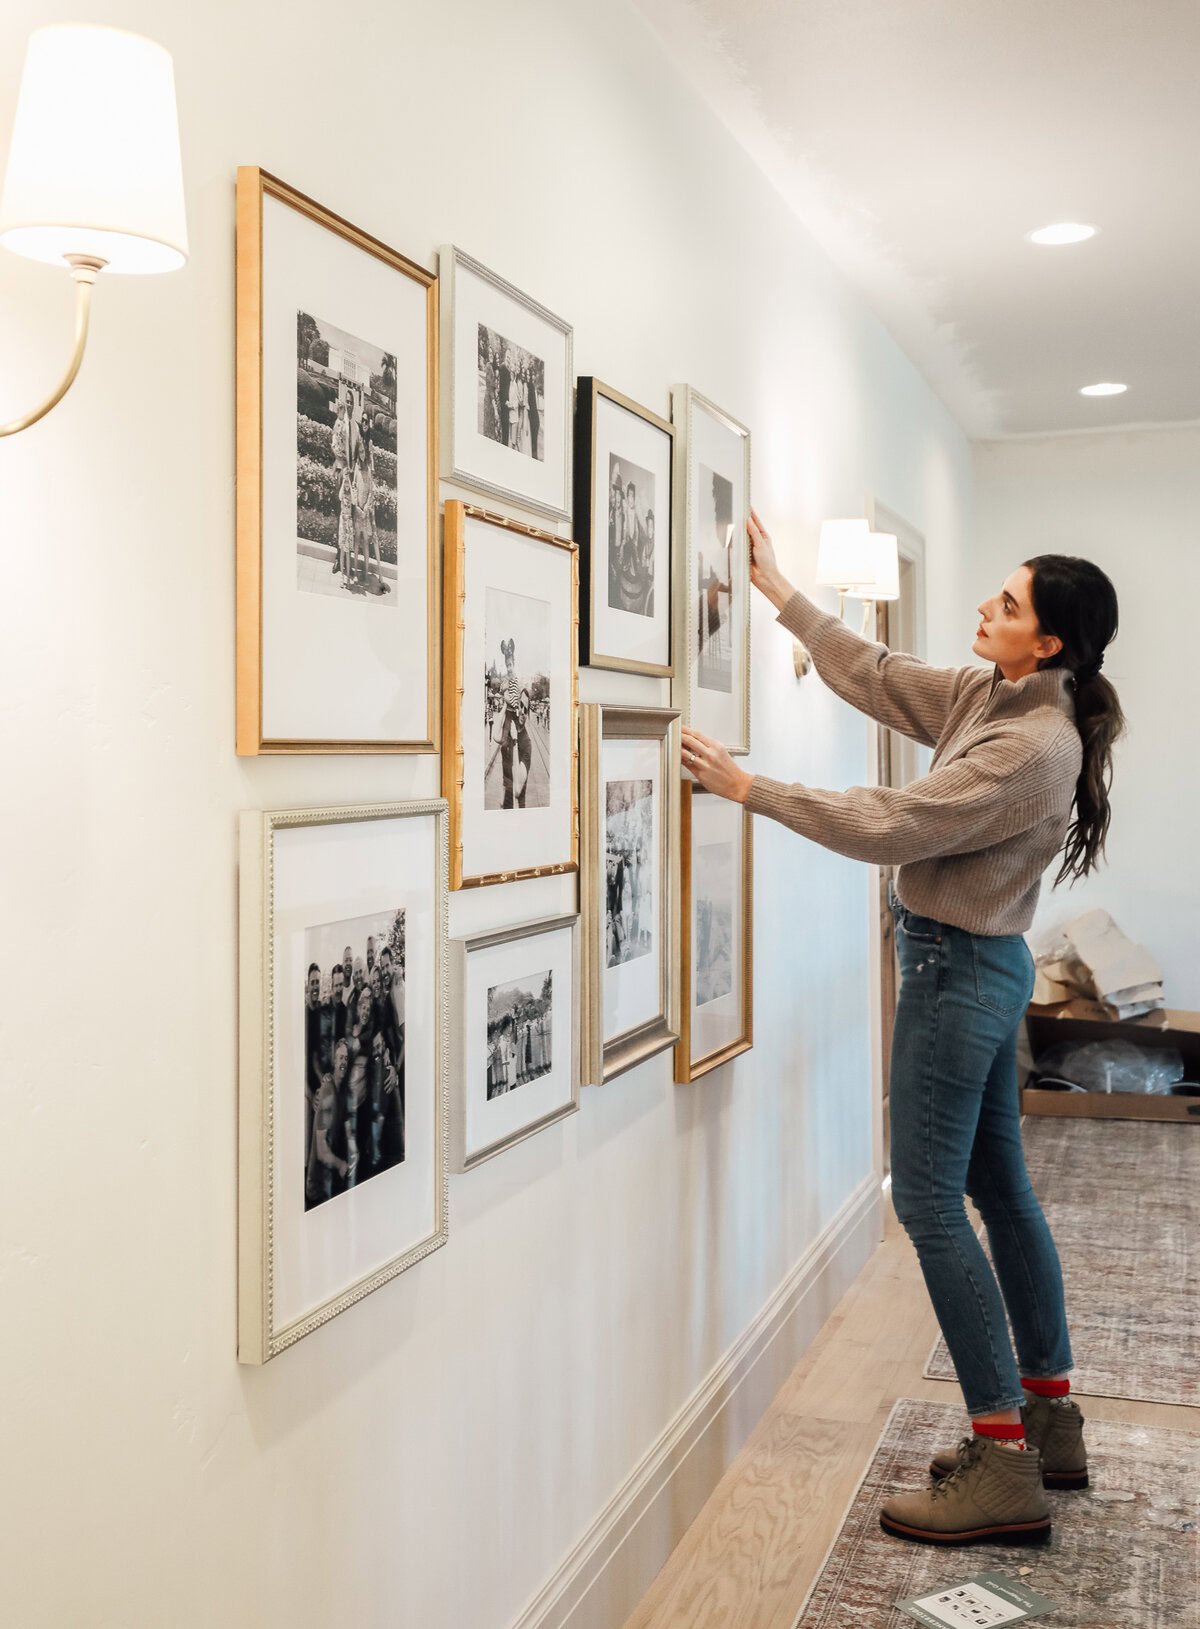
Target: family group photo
519,1032
630,537
353,1053
516,702
512,395
714,582
629,864
345,464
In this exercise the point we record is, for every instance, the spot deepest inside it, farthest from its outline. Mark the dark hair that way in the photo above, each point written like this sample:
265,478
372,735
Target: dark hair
1076,602
312,968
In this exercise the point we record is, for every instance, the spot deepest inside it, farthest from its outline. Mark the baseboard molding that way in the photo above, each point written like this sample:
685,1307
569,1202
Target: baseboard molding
609,1570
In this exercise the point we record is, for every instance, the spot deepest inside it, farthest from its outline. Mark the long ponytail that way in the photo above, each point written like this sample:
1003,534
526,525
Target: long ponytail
1076,602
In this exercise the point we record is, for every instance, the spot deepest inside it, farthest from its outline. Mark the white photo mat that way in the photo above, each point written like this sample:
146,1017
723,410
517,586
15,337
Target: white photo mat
336,669
484,1126
631,995
632,989
301,870
719,901
625,639
473,296
712,604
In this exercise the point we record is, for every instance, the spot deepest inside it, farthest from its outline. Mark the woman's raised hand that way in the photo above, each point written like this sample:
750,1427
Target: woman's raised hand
764,568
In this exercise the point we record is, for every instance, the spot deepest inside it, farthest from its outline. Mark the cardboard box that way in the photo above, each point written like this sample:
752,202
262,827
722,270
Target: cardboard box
1159,1030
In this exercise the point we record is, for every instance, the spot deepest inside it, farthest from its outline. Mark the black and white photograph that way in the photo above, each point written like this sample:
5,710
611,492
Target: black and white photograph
512,394
714,582
713,884
519,1032
353,1053
345,464
631,527
516,701
629,866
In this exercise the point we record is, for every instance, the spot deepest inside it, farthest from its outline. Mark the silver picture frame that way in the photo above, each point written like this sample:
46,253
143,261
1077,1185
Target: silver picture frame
686,403
462,950
456,465
263,1332
603,1060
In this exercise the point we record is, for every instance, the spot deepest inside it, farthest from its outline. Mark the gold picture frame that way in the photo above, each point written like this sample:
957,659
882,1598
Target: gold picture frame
254,185
603,1060
687,1067
457,516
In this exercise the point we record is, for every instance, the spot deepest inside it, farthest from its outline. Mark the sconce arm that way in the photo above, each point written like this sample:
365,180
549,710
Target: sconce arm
84,271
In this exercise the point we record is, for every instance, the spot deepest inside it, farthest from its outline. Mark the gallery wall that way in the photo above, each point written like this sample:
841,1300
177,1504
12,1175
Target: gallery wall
432,1455
1130,501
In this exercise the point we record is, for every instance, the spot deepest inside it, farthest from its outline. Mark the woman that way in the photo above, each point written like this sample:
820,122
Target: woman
1020,774
523,409
514,734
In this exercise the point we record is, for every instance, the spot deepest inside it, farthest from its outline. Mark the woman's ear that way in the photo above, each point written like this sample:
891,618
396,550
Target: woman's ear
1049,645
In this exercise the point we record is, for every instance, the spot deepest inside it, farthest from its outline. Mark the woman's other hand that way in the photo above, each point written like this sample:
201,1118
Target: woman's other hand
764,568
712,766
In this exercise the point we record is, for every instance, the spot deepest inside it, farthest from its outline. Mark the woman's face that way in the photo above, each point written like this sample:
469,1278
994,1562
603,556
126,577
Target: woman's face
1008,632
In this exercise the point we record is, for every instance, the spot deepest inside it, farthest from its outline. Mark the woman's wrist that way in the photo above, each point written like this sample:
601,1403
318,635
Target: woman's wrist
778,590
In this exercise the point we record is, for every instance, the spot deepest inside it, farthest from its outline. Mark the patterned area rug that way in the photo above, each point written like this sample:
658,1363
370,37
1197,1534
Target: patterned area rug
1123,1201
1123,1554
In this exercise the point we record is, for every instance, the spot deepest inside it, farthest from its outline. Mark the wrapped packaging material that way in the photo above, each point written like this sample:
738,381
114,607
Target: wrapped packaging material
1108,961
1092,960
1110,1066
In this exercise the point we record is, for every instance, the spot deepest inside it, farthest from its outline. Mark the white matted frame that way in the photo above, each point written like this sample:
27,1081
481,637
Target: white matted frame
716,1005
712,581
484,1126
301,871
491,556
627,1020
625,622
324,665
473,298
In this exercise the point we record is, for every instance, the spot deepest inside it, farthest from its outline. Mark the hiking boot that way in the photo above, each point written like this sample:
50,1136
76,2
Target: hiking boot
1054,1427
993,1493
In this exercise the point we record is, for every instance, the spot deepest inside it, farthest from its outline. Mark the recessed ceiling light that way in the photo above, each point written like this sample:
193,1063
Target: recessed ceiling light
1062,232
1105,389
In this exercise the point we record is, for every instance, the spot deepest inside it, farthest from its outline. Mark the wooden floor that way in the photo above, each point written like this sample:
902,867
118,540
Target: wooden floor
750,1557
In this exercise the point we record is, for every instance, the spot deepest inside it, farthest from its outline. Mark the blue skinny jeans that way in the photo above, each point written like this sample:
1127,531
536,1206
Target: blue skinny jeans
956,1130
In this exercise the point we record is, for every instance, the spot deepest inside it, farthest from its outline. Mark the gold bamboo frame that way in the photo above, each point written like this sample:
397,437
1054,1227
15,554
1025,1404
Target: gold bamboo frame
688,1068
603,1061
453,611
253,185
587,400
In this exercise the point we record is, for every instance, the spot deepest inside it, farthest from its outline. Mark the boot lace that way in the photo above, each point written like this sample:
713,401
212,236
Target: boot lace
968,1454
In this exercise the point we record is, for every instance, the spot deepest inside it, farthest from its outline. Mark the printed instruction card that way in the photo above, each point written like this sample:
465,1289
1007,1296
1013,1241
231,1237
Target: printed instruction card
990,1600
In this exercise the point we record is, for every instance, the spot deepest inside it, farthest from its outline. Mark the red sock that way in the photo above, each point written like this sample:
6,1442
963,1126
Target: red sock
1000,1433
1046,1388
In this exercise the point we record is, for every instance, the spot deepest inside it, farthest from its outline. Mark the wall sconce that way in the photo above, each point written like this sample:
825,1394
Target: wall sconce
94,175
858,562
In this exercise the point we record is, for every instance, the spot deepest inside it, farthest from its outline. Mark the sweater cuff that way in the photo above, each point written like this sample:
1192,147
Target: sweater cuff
803,619
768,797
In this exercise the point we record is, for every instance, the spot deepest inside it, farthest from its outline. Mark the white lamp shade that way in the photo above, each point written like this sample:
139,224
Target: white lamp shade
846,556
94,166
887,566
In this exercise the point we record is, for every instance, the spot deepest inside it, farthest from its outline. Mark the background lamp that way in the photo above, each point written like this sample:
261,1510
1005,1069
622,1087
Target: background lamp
94,177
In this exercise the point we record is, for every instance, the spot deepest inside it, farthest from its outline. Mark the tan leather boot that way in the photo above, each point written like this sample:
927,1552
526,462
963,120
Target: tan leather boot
994,1493
1054,1427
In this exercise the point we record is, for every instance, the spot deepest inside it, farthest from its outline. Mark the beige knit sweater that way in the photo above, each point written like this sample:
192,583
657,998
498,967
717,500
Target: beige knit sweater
973,837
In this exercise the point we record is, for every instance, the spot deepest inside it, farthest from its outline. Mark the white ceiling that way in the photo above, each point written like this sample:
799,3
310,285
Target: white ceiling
918,140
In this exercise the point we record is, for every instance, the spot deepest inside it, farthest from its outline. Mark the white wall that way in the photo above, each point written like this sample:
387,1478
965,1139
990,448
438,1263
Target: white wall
429,1457
1130,501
